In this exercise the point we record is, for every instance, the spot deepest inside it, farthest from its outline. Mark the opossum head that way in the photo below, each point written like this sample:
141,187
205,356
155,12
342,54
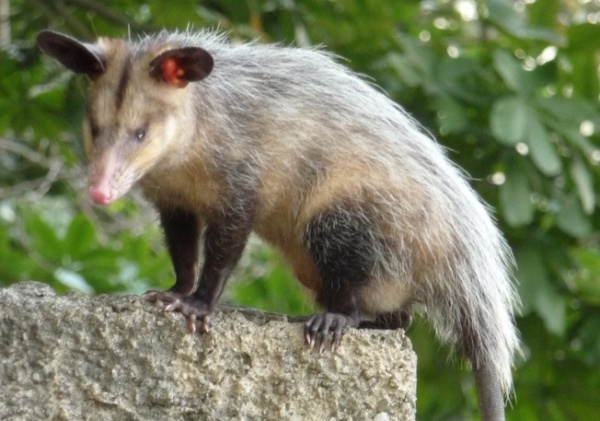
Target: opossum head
139,112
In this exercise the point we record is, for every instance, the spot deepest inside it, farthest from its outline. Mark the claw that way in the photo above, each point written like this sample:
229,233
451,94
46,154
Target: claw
326,329
337,340
205,327
191,308
310,340
310,331
307,339
323,344
191,323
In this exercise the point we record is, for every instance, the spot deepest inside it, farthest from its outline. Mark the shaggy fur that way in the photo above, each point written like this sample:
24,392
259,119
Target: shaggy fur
307,139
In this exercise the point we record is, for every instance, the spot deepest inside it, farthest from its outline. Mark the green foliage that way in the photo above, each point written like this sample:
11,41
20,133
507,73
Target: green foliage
53,244
263,279
511,88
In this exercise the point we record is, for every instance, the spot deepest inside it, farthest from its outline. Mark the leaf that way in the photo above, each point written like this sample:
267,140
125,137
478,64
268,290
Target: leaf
543,13
515,196
584,75
452,118
80,236
452,70
511,70
504,14
573,110
45,239
513,121
419,56
584,183
404,69
73,280
584,38
508,120
573,135
586,281
537,293
543,152
101,261
521,81
572,220
590,339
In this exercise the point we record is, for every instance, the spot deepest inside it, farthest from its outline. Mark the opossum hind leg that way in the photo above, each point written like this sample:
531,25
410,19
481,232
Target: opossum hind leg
340,242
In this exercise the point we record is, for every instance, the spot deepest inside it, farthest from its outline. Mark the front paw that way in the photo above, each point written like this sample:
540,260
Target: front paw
191,308
320,326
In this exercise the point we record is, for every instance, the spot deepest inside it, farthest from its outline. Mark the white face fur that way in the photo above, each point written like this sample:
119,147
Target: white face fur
135,121
125,130
134,107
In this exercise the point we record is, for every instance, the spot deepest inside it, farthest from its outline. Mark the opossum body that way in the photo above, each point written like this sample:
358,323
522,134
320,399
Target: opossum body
226,139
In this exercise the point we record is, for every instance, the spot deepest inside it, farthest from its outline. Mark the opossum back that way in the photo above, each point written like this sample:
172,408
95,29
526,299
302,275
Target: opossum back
315,136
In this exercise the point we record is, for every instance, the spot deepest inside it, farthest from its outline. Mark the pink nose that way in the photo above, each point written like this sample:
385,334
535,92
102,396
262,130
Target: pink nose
100,196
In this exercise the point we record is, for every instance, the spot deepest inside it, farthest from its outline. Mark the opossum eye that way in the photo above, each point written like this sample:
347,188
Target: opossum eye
94,131
140,134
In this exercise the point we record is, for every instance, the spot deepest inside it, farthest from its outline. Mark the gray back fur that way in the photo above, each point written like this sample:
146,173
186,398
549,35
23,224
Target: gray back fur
299,110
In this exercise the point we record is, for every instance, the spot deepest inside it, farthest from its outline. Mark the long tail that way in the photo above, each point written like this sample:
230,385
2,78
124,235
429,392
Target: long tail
471,301
489,393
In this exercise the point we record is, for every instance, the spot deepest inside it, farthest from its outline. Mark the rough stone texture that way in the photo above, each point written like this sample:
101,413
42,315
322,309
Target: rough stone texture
76,357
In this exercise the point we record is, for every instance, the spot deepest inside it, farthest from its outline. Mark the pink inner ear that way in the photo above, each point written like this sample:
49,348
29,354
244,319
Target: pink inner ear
172,73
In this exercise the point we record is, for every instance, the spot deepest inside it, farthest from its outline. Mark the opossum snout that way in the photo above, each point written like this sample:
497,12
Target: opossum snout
102,195
107,178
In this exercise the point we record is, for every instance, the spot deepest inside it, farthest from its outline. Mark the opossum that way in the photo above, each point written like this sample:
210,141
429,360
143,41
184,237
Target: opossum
227,138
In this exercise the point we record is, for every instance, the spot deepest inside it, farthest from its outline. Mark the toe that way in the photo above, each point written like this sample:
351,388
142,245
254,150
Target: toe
191,323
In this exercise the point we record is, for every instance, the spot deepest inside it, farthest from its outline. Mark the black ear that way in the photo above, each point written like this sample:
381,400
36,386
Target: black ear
180,66
71,53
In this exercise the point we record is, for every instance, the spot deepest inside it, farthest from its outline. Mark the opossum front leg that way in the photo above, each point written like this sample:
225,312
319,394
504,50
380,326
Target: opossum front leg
342,245
225,237
182,234
224,243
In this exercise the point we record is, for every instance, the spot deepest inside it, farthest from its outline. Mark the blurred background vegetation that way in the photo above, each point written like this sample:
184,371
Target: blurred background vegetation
511,88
